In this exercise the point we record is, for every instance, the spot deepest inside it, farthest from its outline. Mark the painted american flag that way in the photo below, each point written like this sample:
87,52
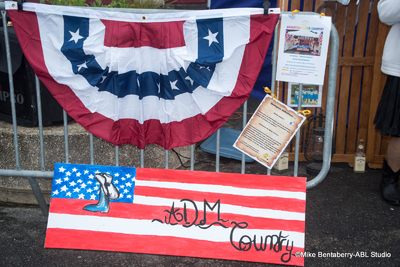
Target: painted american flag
230,216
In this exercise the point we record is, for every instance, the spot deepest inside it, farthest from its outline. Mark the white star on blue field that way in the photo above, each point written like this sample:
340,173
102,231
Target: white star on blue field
76,181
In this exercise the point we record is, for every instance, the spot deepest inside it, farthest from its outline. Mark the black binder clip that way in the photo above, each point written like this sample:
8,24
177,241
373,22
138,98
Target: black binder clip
19,3
266,6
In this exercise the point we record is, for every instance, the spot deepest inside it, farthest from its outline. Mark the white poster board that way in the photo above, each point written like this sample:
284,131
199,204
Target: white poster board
303,48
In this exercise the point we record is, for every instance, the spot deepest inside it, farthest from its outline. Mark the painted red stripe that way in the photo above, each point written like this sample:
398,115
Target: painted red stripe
145,212
251,181
130,131
75,239
128,34
275,203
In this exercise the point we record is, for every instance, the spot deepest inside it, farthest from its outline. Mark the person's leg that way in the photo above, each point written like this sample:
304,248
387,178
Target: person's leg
390,173
393,154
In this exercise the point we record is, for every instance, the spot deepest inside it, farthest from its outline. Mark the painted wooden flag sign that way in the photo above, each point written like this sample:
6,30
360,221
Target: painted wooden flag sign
229,216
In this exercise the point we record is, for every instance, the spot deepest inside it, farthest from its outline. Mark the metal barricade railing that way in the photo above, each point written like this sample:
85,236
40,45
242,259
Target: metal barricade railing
31,175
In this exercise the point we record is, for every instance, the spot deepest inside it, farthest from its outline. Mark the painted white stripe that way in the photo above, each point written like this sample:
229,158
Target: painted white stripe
225,208
221,189
146,227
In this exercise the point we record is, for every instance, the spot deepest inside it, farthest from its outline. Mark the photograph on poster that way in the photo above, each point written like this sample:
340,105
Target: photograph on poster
303,42
303,48
311,95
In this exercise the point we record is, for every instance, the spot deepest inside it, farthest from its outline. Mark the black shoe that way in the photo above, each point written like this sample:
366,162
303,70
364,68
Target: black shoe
389,190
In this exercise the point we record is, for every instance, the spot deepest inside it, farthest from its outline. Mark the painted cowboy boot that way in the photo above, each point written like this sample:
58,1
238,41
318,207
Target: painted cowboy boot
389,191
107,191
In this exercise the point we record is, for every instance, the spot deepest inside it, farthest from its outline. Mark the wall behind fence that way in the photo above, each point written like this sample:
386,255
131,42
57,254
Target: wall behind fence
360,81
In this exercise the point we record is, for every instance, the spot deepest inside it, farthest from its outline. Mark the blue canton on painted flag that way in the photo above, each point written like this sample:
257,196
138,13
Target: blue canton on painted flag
76,181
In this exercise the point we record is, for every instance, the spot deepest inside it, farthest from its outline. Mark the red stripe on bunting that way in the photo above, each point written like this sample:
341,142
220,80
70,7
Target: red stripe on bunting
128,34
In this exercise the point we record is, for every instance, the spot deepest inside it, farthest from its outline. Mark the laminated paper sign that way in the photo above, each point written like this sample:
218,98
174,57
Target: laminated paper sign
269,131
230,216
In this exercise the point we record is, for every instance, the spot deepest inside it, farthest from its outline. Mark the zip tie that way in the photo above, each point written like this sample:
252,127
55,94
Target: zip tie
322,14
295,11
268,91
304,112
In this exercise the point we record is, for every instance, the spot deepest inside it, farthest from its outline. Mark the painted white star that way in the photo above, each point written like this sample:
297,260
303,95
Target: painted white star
89,190
211,37
75,36
69,194
96,172
81,196
121,196
68,173
90,182
116,175
76,189
122,186
173,85
83,185
96,188
126,191
128,175
86,172
72,183
129,196
58,181
74,169
123,179
93,196
64,189
83,65
115,182
61,169
55,192
80,181
78,174
91,176
128,184
66,179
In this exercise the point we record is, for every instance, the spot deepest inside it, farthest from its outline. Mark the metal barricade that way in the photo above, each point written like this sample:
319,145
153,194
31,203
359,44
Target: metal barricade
31,175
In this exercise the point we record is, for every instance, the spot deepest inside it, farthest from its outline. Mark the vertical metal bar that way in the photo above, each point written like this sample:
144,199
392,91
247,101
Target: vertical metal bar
66,145
192,157
243,168
142,158
296,152
166,159
39,196
217,146
329,110
91,150
274,57
116,156
40,121
12,93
